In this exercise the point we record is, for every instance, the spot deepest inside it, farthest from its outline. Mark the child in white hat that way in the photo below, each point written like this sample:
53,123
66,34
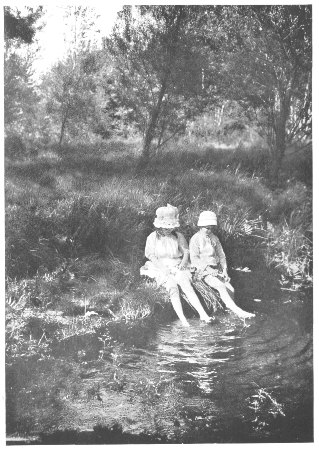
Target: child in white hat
168,261
207,255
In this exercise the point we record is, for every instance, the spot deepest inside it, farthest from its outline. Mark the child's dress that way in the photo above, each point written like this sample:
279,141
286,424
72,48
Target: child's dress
206,251
164,254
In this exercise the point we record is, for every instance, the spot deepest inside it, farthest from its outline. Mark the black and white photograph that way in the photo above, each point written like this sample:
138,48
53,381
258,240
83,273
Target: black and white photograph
158,223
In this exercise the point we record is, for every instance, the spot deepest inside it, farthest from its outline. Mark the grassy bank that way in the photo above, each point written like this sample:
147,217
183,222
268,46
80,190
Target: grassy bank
77,221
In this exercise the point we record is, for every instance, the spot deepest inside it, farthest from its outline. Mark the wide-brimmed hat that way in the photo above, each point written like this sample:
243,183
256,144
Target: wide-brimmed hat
167,217
207,218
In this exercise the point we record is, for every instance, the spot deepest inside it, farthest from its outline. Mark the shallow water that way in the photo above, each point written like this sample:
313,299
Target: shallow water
231,381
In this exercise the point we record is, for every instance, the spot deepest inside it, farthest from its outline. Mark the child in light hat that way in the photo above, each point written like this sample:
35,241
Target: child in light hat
207,255
168,261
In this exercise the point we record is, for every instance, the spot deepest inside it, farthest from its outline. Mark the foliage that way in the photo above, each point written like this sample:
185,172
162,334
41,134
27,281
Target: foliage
17,27
157,64
227,124
162,67
70,88
20,95
290,251
268,70
70,99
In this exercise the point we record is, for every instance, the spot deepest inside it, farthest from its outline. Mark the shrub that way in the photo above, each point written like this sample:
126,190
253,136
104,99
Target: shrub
291,202
290,251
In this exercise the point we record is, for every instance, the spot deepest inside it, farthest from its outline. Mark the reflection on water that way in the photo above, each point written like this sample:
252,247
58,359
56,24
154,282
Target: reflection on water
229,381
194,355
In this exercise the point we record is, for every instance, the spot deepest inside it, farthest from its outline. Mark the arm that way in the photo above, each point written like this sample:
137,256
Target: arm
183,247
150,247
195,254
222,259
150,252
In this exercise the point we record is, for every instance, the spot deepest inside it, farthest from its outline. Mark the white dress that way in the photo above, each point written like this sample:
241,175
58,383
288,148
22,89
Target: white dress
206,251
164,254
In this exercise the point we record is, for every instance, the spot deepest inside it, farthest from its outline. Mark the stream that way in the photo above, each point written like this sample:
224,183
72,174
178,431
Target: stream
232,381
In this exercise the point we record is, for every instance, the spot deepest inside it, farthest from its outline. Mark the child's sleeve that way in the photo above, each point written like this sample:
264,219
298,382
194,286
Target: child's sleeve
195,254
182,243
220,253
150,247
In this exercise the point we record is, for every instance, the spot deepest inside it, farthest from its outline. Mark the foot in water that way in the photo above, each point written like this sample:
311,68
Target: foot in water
207,319
247,315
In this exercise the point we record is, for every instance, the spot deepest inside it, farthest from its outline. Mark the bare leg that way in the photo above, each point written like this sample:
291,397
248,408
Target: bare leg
184,282
229,302
173,291
177,305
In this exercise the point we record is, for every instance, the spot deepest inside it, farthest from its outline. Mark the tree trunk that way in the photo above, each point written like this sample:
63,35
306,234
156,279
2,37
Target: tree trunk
279,145
278,152
62,131
275,168
149,135
152,125
160,137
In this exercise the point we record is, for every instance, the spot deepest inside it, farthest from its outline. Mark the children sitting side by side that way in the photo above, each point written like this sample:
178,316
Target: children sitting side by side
168,262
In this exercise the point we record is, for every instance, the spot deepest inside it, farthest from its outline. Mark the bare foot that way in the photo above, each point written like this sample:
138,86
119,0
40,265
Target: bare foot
246,315
207,319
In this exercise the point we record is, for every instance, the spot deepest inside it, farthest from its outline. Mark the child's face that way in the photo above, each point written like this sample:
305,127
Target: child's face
166,231
209,229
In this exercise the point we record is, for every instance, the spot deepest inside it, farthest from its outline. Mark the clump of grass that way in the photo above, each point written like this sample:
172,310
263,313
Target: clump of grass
290,251
17,346
28,334
252,161
137,305
26,243
291,203
44,289
77,326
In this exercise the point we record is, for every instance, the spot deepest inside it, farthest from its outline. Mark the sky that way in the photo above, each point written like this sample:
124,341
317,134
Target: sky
51,38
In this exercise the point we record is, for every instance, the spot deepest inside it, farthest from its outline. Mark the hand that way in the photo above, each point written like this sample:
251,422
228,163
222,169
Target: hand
199,274
225,276
182,266
211,271
168,272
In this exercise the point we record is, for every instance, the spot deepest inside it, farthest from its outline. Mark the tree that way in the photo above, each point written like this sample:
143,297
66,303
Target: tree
159,61
21,28
69,92
70,87
20,97
19,93
18,89
265,65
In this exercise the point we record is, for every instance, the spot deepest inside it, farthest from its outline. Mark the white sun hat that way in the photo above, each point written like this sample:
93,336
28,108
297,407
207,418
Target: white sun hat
167,217
207,218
